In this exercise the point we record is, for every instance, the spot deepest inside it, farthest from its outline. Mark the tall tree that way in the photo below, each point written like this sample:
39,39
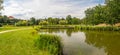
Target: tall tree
96,15
113,7
75,20
32,21
69,19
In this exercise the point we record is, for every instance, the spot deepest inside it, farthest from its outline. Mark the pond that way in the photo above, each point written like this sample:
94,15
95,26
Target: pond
76,42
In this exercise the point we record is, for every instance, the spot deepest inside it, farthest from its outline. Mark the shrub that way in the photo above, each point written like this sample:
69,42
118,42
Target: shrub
48,42
0,25
21,23
43,23
63,22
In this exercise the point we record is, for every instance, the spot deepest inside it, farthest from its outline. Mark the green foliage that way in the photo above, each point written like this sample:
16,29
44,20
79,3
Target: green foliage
95,15
69,19
43,23
32,21
0,25
63,22
51,43
75,20
109,13
21,23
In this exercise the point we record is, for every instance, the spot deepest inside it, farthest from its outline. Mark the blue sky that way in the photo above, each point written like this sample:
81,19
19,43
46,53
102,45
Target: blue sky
25,9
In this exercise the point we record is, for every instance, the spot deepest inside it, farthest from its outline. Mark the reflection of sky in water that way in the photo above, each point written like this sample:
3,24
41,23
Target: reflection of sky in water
76,45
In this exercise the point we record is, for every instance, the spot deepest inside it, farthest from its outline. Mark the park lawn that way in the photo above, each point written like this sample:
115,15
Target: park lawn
4,28
7,28
19,42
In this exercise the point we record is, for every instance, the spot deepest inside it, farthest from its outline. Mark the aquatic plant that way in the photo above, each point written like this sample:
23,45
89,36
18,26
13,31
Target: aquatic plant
49,42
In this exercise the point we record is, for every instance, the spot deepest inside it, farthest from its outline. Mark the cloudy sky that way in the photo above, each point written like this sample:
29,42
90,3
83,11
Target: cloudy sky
25,9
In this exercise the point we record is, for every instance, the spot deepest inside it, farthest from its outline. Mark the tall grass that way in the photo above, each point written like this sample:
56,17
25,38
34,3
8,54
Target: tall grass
107,28
51,43
56,26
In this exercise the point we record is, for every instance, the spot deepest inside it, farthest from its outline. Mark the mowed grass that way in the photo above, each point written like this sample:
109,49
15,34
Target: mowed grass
4,28
7,28
20,43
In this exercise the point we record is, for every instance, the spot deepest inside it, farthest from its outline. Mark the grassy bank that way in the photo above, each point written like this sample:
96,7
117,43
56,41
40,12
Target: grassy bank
98,28
81,27
21,42
51,43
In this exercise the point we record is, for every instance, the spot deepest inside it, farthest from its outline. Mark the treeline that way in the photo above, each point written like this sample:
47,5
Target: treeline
108,13
69,20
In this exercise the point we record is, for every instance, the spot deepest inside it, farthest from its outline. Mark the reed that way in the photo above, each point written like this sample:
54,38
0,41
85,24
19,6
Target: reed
49,42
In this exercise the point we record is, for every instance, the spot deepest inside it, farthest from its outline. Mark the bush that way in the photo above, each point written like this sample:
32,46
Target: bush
43,23
0,25
63,22
48,42
21,23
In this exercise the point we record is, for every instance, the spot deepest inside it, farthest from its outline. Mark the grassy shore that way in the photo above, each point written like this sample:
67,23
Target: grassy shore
21,42
98,28
49,42
80,27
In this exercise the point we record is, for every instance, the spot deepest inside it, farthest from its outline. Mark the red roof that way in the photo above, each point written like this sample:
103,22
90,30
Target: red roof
11,17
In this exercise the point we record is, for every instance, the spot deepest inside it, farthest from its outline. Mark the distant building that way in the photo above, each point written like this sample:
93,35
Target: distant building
11,17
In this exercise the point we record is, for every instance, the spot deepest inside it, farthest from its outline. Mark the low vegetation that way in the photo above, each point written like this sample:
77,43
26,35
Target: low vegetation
56,26
98,28
51,43
29,42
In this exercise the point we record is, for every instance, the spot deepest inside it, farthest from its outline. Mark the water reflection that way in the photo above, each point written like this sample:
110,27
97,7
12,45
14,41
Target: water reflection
87,42
109,40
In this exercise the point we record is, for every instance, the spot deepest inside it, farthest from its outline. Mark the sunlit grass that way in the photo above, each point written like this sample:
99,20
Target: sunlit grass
19,43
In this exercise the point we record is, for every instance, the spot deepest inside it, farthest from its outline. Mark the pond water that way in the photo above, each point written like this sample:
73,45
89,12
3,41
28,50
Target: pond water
87,42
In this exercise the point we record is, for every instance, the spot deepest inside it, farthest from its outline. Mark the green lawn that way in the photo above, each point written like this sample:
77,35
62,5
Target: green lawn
4,28
19,43
7,28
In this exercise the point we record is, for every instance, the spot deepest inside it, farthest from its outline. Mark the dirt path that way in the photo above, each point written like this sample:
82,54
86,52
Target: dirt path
12,30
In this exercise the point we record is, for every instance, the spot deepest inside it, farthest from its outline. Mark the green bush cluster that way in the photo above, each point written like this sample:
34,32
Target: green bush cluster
107,28
51,43
0,25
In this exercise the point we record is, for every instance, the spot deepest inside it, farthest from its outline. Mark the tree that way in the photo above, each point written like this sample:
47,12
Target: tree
69,19
22,23
113,7
43,23
63,22
32,21
75,20
50,20
96,15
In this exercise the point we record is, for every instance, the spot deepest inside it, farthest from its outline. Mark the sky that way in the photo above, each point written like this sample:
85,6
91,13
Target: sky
24,9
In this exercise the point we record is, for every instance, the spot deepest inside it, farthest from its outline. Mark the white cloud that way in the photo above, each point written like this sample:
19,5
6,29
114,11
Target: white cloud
45,8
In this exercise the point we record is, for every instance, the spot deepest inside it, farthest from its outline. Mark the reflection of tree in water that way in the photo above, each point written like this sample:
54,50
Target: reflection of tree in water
53,30
109,40
70,31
